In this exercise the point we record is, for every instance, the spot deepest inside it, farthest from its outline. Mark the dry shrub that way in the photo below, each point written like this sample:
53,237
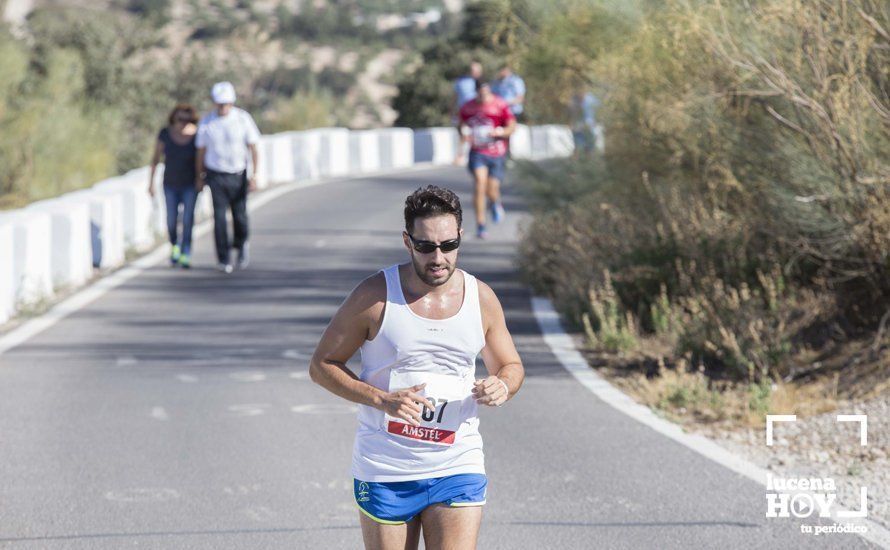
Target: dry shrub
744,194
690,395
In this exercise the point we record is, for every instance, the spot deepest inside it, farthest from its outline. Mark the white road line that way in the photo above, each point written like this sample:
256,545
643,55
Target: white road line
187,378
325,408
295,354
259,513
247,376
564,350
249,409
150,494
29,329
158,413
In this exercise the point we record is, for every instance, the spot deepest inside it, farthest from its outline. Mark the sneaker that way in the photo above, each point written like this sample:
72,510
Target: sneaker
225,268
497,212
174,255
481,233
185,261
243,256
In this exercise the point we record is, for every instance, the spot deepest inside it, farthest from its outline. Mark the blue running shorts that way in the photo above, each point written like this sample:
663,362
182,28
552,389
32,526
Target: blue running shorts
399,501
497,166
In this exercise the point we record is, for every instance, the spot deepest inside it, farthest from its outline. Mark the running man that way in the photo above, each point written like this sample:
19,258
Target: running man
417,463
486,123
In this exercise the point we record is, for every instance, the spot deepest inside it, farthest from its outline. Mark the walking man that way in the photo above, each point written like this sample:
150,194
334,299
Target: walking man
225,135
417,463
486,123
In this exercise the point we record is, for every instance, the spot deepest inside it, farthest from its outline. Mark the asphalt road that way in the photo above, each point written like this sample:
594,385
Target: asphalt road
176,411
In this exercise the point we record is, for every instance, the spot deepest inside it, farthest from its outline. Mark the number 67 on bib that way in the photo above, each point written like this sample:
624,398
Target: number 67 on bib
437,426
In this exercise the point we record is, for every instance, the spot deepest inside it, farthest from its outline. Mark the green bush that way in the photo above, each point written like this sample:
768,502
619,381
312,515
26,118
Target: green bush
303,110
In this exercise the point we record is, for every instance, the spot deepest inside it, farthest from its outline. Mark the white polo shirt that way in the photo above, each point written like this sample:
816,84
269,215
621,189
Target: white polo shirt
226,139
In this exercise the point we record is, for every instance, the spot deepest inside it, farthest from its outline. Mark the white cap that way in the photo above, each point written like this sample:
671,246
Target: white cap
223,92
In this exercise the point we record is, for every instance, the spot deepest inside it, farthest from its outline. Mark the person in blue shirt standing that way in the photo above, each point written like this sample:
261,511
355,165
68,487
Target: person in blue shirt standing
582,111
511,88
464,91
465,88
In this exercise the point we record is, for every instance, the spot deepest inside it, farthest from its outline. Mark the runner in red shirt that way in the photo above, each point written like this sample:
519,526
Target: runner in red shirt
486,123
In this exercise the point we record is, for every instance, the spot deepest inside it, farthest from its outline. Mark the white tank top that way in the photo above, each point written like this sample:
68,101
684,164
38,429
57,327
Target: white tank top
407,350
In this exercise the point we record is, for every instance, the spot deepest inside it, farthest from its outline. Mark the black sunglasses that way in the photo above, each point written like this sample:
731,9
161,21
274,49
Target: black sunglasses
427,247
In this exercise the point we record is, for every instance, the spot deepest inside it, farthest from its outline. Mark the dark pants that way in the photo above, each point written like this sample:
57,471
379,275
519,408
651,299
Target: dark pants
186,196
229,191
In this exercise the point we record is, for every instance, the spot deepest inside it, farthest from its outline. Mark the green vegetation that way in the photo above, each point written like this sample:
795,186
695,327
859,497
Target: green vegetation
83,92
739,217
491,32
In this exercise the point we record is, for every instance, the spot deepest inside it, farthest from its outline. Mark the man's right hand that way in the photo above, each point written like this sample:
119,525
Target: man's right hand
199,184
406,404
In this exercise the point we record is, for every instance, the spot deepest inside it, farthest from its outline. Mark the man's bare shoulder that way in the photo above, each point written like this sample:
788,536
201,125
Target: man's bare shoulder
487,297
490,306
368,295
488,302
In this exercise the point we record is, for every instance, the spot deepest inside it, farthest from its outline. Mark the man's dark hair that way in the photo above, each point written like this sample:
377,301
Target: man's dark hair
431,201
482,82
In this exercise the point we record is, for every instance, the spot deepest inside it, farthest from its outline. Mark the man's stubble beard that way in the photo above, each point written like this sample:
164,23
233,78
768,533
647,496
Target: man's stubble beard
426,277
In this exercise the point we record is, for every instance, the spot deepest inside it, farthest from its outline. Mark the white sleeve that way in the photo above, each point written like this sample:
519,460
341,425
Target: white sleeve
253,133
201,137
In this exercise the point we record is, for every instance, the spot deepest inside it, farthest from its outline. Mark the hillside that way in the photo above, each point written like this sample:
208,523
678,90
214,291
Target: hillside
349,50
87,83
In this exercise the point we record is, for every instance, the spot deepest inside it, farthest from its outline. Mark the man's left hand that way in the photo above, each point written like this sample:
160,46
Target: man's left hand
491,391
251,184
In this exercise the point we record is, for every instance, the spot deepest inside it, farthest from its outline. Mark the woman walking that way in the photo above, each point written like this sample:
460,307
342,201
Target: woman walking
176,146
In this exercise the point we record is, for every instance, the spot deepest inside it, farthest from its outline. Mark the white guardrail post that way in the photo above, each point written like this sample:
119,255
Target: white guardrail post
364,151
7,271
31,245
57,243
71,254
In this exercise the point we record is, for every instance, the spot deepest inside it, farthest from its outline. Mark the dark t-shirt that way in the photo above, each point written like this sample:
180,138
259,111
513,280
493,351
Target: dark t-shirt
179,160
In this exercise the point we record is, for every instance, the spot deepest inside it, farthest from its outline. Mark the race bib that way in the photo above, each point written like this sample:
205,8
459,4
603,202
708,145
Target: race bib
482,135
437,426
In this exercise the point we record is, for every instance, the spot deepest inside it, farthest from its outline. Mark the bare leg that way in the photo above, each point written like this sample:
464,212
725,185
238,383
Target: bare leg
379,536
451,528
480,191
494,189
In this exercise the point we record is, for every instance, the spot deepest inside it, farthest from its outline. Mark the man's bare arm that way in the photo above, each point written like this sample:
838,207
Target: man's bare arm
155,159
254,159
199,168
507,130
499,354
344,335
